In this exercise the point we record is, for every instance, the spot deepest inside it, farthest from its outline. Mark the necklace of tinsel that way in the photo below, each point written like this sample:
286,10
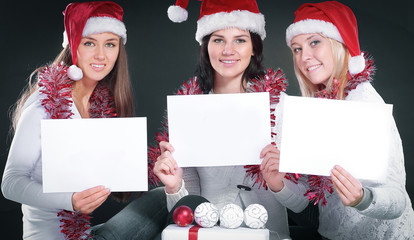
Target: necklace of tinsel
321,186
273,82
56,87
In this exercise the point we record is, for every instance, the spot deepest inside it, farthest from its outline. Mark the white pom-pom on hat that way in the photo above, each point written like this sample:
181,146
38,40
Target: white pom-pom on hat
75,73
356,64
177,14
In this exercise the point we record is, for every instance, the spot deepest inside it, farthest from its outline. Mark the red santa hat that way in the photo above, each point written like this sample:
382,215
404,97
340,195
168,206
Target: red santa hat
221,14
333,20
84,19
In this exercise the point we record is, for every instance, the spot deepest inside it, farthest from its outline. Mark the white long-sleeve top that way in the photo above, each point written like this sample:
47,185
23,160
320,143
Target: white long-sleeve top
22,178
219,186
388,214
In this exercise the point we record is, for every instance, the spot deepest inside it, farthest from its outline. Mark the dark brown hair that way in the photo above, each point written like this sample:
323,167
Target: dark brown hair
205,71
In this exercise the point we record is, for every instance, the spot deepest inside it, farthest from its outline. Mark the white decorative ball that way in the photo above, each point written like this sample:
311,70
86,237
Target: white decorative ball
255,216
206,215
231,216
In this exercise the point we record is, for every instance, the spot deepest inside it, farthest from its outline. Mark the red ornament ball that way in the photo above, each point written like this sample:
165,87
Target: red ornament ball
183,216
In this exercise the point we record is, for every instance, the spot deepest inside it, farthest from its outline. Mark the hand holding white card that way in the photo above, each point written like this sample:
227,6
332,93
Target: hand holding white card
320,133
219,129
78,154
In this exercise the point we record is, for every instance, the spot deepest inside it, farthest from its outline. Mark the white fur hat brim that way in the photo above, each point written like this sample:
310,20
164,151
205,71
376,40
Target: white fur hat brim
312,26
100,25
242,19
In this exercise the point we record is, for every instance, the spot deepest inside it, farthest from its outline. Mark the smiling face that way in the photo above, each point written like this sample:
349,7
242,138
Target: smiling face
97,54
230,51
313,56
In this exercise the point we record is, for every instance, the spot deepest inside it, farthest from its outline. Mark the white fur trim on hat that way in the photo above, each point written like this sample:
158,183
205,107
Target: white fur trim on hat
177,14
65,40
105,24
75,73
241,19
312,26
356,64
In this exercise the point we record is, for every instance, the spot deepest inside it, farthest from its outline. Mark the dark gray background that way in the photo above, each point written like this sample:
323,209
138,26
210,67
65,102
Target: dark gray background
163,54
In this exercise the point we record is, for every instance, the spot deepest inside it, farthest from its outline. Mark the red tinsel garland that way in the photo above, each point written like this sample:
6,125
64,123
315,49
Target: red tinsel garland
74,224
273,82
102,104
320,186
190,87
56,87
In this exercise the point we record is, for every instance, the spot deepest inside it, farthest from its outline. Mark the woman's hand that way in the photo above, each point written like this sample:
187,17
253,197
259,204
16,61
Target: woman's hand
349,188
166,169
89,200
270,168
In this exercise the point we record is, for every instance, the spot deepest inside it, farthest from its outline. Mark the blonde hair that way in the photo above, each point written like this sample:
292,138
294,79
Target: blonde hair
341,56
117,80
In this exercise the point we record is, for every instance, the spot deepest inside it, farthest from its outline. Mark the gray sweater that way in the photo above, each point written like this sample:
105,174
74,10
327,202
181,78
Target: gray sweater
219,186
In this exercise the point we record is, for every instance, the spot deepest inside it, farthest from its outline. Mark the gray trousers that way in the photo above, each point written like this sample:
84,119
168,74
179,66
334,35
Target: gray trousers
144,218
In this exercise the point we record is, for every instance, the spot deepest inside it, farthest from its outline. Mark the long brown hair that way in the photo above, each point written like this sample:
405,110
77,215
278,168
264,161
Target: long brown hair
117,80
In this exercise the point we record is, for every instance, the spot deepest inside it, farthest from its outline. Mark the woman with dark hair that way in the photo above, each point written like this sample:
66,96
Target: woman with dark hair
230,62
205,72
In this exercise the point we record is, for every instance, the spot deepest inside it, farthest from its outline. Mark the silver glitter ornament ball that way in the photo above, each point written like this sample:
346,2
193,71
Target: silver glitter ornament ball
255,216
206,215
231,216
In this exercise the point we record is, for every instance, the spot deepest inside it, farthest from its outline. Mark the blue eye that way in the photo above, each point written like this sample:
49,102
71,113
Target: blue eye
296,50
218,40
110,45
314,43
240,41
89,44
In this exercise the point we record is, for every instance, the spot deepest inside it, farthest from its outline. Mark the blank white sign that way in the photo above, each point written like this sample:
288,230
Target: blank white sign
219,129
78,154
320,133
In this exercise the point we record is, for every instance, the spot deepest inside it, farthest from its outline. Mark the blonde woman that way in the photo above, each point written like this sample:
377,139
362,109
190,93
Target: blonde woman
328,63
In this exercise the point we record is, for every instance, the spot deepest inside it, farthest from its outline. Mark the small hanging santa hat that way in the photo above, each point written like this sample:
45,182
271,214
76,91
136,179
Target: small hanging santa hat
84,19
221,14
333,20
